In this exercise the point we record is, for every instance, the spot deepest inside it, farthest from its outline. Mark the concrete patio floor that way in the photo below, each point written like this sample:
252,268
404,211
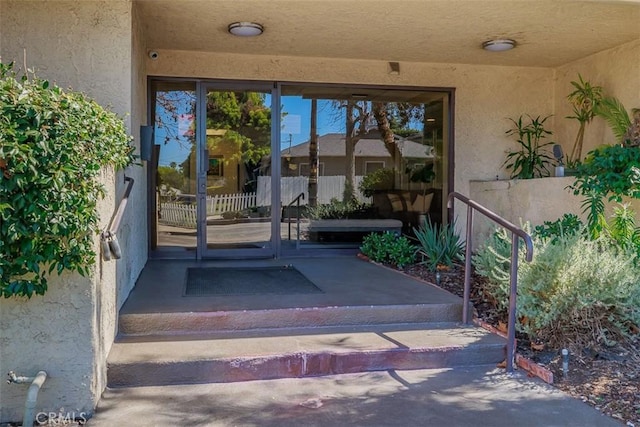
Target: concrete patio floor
345,281
464,396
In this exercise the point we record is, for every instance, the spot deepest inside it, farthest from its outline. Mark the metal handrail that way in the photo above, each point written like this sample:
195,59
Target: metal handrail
114,224
110,245
297,201
516,232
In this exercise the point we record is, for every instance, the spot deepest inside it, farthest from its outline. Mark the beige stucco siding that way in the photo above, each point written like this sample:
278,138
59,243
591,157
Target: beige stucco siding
617,71
86,46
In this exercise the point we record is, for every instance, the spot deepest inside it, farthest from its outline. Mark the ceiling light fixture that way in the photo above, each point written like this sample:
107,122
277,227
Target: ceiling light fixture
499,45
246,29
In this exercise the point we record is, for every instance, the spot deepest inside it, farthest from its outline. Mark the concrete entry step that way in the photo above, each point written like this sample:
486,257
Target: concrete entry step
296,353
177,323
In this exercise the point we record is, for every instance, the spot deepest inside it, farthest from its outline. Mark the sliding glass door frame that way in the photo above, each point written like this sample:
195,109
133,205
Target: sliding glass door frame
271,249
274,248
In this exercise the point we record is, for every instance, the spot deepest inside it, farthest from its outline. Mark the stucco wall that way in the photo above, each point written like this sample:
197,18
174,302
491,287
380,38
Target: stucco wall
617,71
529,200
86,46
519,201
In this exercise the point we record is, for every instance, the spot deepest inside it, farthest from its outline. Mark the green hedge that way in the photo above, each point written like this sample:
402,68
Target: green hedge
53,145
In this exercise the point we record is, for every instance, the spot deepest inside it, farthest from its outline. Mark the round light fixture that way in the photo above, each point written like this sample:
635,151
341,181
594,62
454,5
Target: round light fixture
245,29
499,45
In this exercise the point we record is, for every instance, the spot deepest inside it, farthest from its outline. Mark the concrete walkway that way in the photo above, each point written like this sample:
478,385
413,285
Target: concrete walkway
475,396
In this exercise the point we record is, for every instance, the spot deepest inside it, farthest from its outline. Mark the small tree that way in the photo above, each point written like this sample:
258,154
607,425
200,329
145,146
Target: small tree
584,100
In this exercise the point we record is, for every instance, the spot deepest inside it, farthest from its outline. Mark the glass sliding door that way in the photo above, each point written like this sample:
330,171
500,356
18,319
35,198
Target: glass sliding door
235,173
359,160
172,177
245,169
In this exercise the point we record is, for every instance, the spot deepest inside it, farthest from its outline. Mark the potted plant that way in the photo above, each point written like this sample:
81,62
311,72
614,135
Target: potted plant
533,158
423,174
378,180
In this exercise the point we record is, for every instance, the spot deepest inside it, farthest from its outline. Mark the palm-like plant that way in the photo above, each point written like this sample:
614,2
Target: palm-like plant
585,100
532,160
616,116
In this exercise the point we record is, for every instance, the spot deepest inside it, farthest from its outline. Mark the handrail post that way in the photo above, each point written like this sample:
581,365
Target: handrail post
296,200
467,266
513,273
288,222
513,289
298,223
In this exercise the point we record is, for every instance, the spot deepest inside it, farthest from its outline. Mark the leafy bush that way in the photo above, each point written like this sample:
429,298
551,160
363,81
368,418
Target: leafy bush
54,144
337,209
562,298
388,248
532,159
569,224
493,261
380,179
608,173
622,230
439,244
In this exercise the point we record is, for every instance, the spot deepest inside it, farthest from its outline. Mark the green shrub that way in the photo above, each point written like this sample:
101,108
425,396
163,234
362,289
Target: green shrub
54,144
493,261
608,173
576,292
380,179
439,244
337,209
388,248
569,224
622,230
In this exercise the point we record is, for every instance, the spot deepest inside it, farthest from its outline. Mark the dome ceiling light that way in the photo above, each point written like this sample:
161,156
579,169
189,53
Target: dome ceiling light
246,29
499,45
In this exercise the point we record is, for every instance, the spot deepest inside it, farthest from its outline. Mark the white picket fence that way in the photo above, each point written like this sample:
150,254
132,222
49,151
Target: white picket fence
178,215
220,203
184,215
329,187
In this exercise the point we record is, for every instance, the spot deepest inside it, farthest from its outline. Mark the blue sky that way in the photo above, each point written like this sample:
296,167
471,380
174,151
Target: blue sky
296,126
297,106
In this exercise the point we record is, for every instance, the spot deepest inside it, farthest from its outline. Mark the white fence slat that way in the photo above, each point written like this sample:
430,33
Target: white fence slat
329,187
219,203
178,215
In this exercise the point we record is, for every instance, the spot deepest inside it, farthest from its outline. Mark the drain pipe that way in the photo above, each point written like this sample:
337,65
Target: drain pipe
32,394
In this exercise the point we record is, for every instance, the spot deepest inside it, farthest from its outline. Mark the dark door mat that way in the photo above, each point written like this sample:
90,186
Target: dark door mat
247,281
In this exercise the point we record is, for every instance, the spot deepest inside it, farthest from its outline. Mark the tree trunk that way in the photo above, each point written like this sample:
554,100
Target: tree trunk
576,152
350,157
313,156
384,127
